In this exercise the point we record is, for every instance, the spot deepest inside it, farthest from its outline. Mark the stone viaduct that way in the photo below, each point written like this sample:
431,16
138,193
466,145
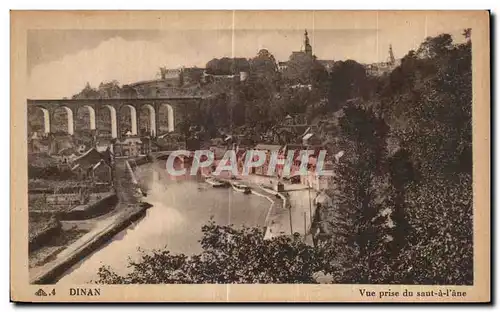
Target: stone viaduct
177,109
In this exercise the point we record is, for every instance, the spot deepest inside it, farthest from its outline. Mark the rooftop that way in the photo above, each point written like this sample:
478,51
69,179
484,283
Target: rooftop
88,159
268,147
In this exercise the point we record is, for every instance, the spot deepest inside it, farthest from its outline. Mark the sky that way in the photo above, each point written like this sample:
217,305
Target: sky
61,62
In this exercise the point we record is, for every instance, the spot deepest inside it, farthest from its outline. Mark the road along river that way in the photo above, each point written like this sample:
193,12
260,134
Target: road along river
179,210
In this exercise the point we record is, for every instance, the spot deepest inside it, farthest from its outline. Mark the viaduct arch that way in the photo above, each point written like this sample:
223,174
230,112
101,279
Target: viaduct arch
46,119
92,116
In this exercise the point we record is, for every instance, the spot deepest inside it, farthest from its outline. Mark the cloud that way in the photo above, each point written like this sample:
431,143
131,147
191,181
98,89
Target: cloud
46,45
125,61
136,57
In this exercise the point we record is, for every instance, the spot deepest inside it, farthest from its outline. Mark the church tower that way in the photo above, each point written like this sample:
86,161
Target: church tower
307,46
392,59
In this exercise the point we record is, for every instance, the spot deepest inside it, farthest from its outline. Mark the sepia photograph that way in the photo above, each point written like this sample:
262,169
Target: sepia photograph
256,148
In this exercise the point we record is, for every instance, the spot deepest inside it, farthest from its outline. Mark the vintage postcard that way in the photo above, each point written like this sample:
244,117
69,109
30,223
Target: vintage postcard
250,156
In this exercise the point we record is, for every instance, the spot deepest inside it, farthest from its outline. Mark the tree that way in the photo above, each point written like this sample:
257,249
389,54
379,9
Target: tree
263,67
348,80
87,93
434,46
230,255
361,195
440,246
227,66
163,73
428,102
109,90
467,33
319,76
401,173
303,68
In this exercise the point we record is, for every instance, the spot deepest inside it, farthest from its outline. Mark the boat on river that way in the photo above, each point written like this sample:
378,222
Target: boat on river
239,187
216,183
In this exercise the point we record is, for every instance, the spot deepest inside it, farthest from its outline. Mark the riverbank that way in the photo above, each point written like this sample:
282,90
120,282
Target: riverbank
279,206
127,211
84,246
180,209
293,209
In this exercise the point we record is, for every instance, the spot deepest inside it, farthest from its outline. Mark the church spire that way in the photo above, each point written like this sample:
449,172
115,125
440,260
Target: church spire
392,60
307,46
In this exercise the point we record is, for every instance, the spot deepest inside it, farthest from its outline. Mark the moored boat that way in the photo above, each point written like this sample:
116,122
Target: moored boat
215,183
241,188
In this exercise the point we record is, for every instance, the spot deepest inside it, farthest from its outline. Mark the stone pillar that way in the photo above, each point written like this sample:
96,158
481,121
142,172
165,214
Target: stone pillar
47,120
133,119
157,117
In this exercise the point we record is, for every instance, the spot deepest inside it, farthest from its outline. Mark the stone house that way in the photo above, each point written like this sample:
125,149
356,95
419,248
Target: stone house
102,173
132,146
93,166
80,172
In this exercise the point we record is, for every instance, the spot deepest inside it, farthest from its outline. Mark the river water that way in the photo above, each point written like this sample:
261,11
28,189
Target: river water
179,210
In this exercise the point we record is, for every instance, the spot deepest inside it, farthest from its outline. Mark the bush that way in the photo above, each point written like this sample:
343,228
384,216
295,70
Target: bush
229,255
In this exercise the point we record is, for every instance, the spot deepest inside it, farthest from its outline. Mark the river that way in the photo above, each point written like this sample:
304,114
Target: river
174,221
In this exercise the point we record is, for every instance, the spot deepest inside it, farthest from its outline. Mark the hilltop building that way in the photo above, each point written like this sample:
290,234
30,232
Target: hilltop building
305,55
172,82
380,68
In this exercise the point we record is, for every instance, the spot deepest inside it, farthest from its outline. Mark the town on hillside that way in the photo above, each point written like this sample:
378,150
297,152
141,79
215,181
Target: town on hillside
97,159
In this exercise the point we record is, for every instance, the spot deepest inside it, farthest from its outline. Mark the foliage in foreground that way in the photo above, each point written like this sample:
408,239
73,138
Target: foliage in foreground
230,255
404,215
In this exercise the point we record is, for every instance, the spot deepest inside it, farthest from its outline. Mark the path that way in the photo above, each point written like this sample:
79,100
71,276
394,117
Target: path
128,208
297,216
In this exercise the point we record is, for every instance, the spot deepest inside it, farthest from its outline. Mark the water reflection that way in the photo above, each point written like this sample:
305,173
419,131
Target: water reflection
179,210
